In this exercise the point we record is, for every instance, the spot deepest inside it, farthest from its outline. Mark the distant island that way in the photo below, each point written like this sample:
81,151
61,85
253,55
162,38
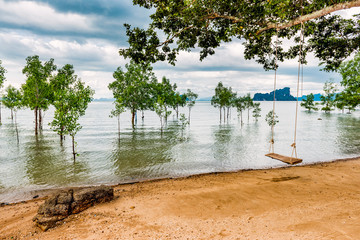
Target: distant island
316,97
280,95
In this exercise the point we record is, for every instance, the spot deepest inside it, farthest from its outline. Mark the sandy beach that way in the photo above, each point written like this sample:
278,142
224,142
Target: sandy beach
305,202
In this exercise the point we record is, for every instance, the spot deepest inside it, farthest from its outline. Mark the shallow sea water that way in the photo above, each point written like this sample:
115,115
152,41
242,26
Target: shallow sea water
146,153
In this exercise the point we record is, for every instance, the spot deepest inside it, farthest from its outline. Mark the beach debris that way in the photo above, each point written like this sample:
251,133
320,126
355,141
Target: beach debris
4,204
65,203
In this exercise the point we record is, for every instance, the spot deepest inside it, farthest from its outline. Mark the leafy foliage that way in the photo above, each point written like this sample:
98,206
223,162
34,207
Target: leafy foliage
271,118
256,111
161,111
132,88
223,98
179,101
240,105
12,98
2,75
2,80
209,23
248,101
190,100
327,99
309,103
71,99
350,72
37,94
183,123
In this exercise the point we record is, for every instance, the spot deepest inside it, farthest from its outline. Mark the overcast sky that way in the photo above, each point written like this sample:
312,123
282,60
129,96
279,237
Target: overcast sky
89,33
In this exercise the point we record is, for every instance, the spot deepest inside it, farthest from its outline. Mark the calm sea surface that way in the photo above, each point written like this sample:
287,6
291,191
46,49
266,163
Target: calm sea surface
146,153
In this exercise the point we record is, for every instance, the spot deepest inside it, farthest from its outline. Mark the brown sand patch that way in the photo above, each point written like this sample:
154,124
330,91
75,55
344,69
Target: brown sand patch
308,202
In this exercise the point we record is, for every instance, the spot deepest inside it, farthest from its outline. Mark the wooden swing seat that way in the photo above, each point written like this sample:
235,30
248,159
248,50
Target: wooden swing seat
285,159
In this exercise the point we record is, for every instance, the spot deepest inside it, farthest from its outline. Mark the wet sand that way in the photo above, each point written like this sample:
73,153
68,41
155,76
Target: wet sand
319,201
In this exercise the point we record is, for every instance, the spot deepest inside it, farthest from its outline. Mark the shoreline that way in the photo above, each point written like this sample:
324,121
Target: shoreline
317,201
43,193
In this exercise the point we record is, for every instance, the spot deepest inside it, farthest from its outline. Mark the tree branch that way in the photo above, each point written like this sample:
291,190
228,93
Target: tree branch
312,15
232,18
175,35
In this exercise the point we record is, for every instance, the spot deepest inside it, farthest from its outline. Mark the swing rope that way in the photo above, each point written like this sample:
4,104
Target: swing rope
300,70
271,148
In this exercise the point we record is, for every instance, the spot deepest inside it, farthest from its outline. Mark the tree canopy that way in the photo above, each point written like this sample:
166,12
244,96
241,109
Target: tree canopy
2,75
350,72
131,88
2,80
183,25
12,98
71,99
36,90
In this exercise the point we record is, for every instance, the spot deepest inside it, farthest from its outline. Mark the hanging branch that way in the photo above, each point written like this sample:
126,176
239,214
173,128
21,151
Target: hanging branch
313,15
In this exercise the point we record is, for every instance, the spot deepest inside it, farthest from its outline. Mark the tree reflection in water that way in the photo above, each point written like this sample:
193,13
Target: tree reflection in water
141,152
49,164
348,137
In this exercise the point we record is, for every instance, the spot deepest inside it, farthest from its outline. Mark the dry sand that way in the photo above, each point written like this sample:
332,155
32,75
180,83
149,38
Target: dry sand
308,202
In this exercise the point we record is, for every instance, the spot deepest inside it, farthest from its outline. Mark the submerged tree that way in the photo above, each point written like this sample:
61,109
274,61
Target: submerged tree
37,94
223,99
343,101
350,72
309,103
183,122
13,101
60,86
161,110
190,100
328,99
132,88
179,101
271,118
182,25
239,104
2,80
248,104
163,94
119,109
71,99
256,111
216,99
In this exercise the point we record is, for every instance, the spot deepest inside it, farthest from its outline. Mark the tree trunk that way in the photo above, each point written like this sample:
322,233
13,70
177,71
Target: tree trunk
61,134
224,114
12,115
177,112
36,120
133,119
161,124
142,117
73,147
220,114
40,120
119,125
189,114
248,114
16,129
0,112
